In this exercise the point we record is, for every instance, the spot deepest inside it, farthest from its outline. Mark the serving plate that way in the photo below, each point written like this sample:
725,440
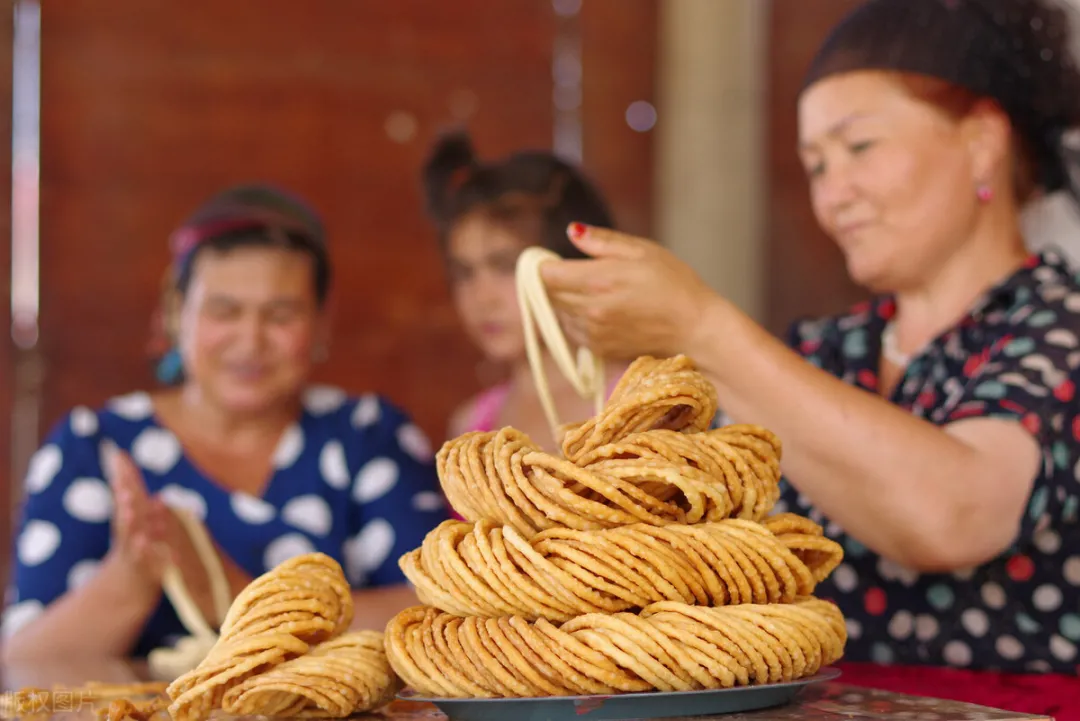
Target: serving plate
656,705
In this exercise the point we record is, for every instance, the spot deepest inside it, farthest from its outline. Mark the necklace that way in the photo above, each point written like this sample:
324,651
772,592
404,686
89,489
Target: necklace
890,349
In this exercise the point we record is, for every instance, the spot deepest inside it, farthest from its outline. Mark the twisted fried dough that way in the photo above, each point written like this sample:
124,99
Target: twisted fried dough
488,570
335,679
656,477
653,393
668,646
284,625
645,509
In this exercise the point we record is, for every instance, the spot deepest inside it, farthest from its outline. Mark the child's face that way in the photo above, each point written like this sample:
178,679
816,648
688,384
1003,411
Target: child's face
482,258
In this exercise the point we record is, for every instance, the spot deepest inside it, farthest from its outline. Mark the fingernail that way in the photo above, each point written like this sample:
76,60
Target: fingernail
576,230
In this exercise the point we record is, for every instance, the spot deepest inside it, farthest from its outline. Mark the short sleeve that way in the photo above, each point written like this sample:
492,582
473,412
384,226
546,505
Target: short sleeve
64,523
1030,377
395,495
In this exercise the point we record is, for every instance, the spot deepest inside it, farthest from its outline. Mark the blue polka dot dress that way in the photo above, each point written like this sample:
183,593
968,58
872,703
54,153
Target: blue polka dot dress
353,478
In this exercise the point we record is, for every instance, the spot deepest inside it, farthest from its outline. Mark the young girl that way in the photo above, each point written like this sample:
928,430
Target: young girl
485,215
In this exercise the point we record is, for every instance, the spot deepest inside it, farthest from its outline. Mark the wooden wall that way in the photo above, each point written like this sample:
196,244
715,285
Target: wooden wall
619,54
806,274
149,105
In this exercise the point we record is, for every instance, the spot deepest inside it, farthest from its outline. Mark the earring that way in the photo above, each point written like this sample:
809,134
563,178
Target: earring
984,193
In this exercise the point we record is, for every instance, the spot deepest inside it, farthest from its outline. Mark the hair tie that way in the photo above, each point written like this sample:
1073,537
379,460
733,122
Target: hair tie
458,178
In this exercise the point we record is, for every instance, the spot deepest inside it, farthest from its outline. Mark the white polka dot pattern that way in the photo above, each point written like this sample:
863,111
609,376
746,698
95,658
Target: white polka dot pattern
375,480
1047,598
289,447
976,622
309,513
84,422
1009,648
333,465
175,496
926,627
1049,541
369,549
1071,570
88,500
44,465
845,578
901,625
1062,649
993,596
415,442
366,413
250,509
321,400
133,406
38,542
285,547
156,450
957,653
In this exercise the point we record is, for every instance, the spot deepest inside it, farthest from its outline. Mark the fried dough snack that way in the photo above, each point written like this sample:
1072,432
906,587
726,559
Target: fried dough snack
646,458
642,559
335,679
124,709
287,624
488,570
668,647
653,393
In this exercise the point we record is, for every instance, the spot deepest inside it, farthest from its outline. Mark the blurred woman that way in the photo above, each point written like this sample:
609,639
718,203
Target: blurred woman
273,466
935,430
485,215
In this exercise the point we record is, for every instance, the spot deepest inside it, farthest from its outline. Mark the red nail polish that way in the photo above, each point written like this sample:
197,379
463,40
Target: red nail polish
577,230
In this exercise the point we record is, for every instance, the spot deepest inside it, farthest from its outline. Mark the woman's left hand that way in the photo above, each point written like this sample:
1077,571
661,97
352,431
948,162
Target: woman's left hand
182,553
633,297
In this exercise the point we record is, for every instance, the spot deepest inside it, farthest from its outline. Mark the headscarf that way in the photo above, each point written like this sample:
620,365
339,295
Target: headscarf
1014,52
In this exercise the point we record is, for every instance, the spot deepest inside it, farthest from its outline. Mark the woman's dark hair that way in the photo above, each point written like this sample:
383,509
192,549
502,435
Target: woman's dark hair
953,53
252,215
534,192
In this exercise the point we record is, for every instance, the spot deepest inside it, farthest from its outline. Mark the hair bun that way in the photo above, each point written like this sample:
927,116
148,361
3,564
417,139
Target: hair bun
452,155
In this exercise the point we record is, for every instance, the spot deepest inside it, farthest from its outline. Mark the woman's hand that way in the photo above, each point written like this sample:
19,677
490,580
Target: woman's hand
148,535
185,556
632,298
138,548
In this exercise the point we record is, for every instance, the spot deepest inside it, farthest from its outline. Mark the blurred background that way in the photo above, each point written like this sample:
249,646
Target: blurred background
125,114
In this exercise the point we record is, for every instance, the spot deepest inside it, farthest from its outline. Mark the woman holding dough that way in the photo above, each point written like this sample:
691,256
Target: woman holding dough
935,430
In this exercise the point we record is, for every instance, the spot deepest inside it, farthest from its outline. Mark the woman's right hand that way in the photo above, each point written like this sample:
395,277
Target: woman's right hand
631,297
139,550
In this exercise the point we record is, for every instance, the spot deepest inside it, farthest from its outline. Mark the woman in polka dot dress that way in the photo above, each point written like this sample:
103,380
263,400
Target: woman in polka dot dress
272,466
935,430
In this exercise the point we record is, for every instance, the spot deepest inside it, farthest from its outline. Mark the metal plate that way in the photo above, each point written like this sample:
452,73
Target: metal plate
623,706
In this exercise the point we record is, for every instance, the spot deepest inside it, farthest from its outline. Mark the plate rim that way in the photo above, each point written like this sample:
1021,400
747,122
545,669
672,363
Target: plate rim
824,675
